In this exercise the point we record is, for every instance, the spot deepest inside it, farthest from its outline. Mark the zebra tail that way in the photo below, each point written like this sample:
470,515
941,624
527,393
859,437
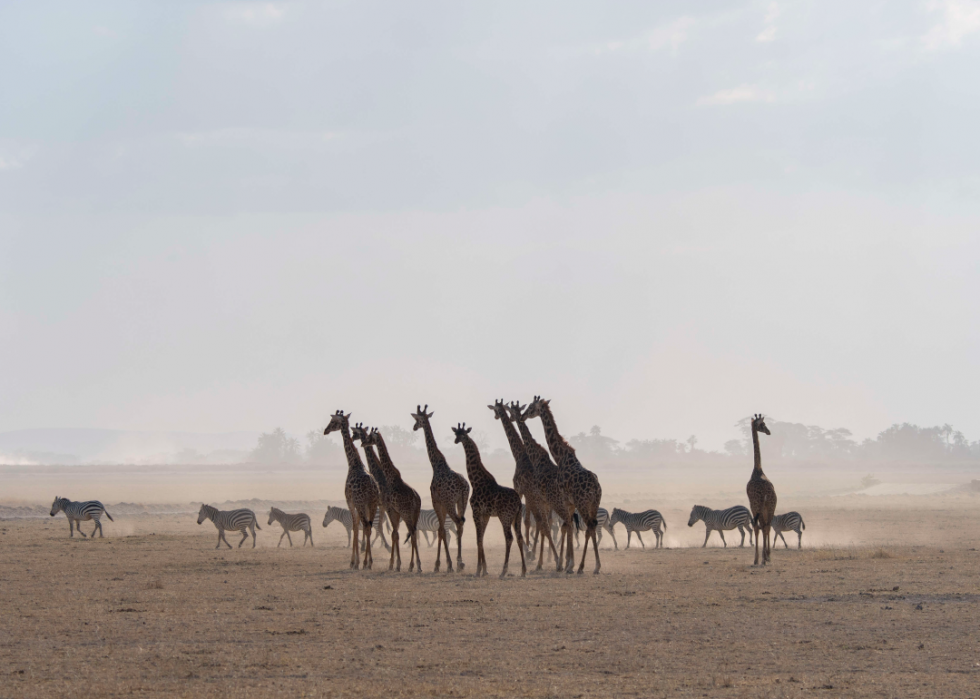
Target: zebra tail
256,521
664,521
106,513
578,521
755,520
802,525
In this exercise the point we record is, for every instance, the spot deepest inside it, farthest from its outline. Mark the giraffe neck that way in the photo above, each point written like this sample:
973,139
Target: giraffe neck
436,458
530,443
475,470
559,447
758,452
387,465
517,447
354,462
374,465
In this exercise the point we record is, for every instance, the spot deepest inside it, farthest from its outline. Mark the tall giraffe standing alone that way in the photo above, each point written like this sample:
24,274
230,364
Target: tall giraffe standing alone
762,494
361,492
490,499
449,491
405,503
579,486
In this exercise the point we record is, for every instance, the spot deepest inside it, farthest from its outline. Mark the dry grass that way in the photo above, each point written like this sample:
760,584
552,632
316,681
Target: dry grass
167,615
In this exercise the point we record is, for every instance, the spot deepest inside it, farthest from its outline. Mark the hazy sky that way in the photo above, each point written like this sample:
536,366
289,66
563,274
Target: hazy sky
662,215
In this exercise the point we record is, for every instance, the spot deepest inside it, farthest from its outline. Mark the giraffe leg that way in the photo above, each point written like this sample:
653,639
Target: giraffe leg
459,543
756,529
444,535
396,551
595,549
481,525
545,533
590,536
355,555
767,547
509,540
368,524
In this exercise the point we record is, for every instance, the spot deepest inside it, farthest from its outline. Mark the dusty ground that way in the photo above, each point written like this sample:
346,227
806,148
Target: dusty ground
153,609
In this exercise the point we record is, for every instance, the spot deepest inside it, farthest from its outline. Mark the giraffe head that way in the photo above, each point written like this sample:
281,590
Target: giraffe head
421,416
371,437
338,421
536,406
499,409
516,411
461,431
358,432
759,424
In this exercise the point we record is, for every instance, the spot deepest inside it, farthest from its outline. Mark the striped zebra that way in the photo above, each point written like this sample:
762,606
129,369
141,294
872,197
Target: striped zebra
789,522
429,523
78,512
342,515
723,520
230,520
639,522
602,517
292,523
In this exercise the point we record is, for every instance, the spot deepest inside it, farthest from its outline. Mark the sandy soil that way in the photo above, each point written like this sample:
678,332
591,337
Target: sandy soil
875,608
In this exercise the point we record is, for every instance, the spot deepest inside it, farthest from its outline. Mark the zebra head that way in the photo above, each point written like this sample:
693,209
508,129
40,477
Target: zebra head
338,421
203,514
272,515
421,417
331,515
759,424
536,407
617,516
696,514
57,505
499,410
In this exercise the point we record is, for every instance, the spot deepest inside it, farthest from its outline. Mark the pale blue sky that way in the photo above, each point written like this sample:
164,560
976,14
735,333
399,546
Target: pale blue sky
664,216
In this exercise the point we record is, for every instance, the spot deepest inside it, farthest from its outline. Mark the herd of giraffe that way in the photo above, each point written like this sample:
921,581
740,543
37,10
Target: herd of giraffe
548,480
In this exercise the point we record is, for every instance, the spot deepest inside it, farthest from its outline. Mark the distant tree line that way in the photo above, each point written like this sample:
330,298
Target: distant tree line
789,441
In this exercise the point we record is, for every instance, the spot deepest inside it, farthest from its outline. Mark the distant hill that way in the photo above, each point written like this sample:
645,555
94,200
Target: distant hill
73,445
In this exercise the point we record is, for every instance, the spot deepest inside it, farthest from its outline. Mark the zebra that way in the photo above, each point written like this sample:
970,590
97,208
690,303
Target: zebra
789,522
230,520
342,515
723,520
639,522
428,522
78,512
292,523
602,519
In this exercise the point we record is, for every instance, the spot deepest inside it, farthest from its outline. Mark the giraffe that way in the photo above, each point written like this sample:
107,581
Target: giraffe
762,494
449,491
404,503
579,486
525,480
546,478
361,492
358,433
546,475
489,499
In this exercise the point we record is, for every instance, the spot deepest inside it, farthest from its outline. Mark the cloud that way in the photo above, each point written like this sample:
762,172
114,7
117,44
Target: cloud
667,36
742,93
255,137
256,13
960,18
769,31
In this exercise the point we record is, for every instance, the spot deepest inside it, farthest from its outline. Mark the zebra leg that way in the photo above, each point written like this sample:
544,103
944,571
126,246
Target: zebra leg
612,533
722,533
78,526
637,536
244,537
780,535
289,538
742,532
280,538
707,533
629,536
222,537
98,525
800,534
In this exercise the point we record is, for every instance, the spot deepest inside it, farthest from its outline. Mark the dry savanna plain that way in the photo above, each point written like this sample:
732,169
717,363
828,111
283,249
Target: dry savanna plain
882,601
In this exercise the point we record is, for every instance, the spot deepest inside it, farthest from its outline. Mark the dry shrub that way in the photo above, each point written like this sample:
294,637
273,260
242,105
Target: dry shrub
154,585
881,553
